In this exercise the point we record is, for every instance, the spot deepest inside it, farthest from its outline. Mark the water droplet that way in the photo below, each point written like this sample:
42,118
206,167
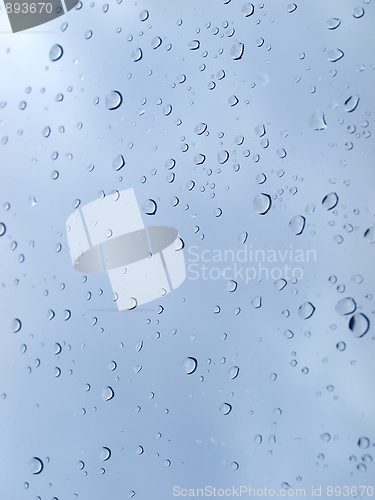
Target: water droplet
36,465
280,284
325,437
232,101
107,393
57,371
112,366
258,439
363,442
139,450
56,349
131,303
143,15
257,302
194,45
358,12
306,310
370,234
330,201
341,346
149,207
242,237
199,159
233,372
335,55
351,103
113,100
136,55
189,365
105,454
231,286
225,408
118,162
291,7
16,325
200,128
222,156
156,42
56,52
167,110
317,121
247,9
2,229
237,51
359,324
288,334
297,224
332,23
262,203
234,465
80,465
346,306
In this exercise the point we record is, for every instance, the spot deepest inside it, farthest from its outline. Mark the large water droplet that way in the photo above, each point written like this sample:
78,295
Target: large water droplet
199,159
247,9
107,393
200,128
233,100
335,55
317,121
113,100
363,442
118,162
56,52
325,437
225,408
330,201
359,324
2,229
16,325
262,203
149,207
280,284
156,42
332,23
233,372
35,465
291,7
237,51
297,224
351,103
358,12
105,454
222,156
194,45
306,310
370,234
346,306
189,365
143,15
136,55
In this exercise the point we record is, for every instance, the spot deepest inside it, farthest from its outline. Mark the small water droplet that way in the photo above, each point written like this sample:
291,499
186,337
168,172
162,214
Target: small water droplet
194,45
369,234
233,372
291,7
118,162
149,207
325,437
143,15
363,442
332,23
242,237
358,12
2,229
200,128
257,302
16,325
247,9
156,42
